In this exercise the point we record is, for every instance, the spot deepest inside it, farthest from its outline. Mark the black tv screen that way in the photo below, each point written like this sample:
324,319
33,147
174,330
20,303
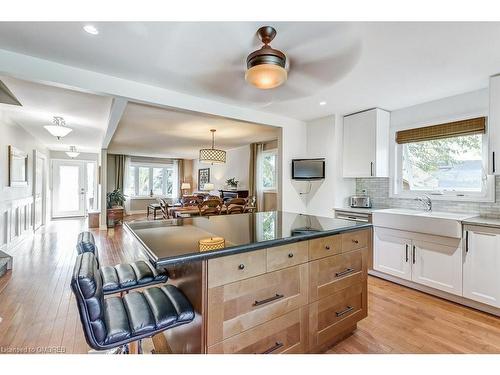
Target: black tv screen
308,169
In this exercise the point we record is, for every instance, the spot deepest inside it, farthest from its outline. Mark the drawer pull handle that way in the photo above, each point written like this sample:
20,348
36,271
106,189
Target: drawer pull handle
327,247
355,241
241,266
273,348
343,312
290,255
345,272
267,300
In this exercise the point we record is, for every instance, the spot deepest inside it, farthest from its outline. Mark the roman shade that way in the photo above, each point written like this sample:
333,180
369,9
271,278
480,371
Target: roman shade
447,130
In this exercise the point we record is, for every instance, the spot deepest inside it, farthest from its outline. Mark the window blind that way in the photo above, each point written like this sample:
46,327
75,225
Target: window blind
440,131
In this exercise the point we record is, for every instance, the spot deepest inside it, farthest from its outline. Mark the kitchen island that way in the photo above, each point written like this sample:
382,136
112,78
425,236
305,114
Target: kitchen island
268,282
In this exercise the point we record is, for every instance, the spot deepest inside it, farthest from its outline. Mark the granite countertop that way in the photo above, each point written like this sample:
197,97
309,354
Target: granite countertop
484,221
175,241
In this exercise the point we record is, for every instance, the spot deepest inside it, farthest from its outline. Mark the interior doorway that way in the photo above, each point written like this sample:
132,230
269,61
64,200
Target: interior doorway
74,188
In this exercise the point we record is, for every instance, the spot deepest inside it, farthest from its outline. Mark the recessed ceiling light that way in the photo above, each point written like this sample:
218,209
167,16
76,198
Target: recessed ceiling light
322,103
91,29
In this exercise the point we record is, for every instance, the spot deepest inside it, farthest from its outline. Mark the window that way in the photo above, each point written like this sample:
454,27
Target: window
447,160
268,168
450,164
144,178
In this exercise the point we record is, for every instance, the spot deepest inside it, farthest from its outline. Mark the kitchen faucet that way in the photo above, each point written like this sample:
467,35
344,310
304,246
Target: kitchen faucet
425,199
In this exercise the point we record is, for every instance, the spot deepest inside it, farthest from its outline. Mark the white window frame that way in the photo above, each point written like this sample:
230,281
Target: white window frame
151,166
275,187
396,187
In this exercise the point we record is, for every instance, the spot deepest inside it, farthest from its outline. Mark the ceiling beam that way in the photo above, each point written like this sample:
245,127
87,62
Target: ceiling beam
49,72
115,114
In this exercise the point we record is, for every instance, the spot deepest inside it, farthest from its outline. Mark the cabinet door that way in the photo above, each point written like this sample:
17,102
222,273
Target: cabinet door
359,144
391,254
482,268
438,266
493,127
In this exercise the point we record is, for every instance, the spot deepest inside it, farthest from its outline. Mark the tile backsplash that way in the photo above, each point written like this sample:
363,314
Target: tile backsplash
378,190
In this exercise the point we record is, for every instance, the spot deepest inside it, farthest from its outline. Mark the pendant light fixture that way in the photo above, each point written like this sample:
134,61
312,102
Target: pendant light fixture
266,66
72,153
212,155
59,129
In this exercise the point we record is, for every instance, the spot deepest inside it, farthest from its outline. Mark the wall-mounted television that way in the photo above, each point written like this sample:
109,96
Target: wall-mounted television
308,169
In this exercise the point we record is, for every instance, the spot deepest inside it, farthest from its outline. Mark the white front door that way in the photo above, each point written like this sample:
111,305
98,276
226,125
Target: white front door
68,188
438,266
391,254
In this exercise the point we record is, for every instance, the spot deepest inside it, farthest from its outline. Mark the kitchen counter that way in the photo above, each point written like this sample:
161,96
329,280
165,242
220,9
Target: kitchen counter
176,241
291,283
484,221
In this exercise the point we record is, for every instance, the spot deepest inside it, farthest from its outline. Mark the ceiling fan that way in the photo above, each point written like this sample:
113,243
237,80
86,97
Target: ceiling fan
305,59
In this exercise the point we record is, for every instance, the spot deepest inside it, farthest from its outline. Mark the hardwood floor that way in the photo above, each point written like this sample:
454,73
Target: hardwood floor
37,308
402,320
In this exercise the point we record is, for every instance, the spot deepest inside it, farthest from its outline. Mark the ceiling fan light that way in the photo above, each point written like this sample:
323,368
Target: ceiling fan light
58,131
266,76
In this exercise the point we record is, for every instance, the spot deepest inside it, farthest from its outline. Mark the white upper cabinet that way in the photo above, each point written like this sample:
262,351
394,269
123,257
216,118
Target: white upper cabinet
482,265
494,127
366,144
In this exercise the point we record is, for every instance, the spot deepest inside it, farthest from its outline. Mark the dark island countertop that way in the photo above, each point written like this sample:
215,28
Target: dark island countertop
175,241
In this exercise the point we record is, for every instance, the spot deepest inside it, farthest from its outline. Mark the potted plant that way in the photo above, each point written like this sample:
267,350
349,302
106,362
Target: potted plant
114,201
232,183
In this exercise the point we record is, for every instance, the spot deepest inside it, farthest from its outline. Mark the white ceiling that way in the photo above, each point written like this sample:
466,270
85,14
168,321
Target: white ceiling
86,114
162,132
352,66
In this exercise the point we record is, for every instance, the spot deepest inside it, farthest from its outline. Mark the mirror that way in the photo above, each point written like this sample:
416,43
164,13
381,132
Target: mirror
18,167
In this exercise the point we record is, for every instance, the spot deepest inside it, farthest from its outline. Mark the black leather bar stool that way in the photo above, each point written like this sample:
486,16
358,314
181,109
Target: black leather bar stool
122,277
116,321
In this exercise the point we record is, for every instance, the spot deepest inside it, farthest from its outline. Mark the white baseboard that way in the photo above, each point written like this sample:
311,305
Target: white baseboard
438,293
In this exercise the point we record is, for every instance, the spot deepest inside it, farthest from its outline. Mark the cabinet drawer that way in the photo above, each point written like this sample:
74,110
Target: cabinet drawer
354,240
286,256
236,307
225,270
331,274
325,246
331,316
286,334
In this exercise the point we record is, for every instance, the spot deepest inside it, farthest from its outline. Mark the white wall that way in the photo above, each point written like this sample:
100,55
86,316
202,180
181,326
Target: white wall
16,203
324,140
13,134
237,165
293,146
448,109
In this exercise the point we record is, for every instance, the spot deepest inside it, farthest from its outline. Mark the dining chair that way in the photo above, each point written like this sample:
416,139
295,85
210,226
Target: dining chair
236,206
210,207
164,208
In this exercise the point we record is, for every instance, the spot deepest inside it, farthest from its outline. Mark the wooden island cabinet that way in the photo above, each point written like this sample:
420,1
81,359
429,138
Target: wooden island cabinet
297,298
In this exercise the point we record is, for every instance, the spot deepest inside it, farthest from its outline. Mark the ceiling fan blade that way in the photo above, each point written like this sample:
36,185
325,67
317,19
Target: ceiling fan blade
328,69
303,34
